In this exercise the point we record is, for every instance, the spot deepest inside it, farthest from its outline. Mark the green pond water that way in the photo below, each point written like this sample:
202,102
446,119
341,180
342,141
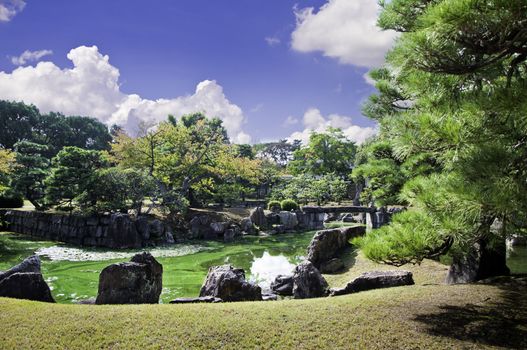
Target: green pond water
73,273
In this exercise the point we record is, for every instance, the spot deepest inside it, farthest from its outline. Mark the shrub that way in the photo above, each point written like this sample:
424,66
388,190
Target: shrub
289,204
11,202
274,205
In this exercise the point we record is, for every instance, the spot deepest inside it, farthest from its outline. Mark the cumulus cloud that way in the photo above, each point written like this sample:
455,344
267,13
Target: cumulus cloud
314,121
290,120
92,88
345,30
9,8
29,56
272,41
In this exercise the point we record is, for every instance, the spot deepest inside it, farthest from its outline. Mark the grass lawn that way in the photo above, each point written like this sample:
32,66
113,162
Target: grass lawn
429,315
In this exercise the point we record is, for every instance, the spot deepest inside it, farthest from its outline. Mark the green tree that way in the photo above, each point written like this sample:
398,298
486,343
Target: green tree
328,152
72,177
461,65
30,171
16,123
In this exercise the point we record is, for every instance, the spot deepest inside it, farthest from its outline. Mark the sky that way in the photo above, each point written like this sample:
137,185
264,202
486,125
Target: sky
270,69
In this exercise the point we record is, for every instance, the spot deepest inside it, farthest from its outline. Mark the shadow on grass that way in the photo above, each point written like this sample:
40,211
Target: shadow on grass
500,322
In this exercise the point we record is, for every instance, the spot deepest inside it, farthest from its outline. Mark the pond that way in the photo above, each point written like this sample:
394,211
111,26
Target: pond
73,273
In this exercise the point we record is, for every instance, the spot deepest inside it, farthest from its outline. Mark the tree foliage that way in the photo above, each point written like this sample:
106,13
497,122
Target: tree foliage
459,67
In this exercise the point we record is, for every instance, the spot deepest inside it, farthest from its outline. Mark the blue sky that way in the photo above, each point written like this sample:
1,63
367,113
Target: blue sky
273,69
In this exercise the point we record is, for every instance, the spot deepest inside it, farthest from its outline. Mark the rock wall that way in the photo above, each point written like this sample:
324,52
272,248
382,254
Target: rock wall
111,231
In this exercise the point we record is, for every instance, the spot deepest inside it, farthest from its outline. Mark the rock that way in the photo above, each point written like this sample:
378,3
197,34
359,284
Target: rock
327,244
25,281
288,220
229,235
246,226
29,286
143,227
229,284
258,218
331,266
136,282
29,265
348,217
169,236
517,240
329,217
375,280
218,227
283,285
277,229
308,282
481,262
122,232
196,300
272,219
156,228
269,297
89,301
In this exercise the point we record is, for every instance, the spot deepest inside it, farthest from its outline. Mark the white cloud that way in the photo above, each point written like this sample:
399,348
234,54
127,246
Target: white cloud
92,88
29,56
9,8
368,79
290,120
272,40
314,121
345,30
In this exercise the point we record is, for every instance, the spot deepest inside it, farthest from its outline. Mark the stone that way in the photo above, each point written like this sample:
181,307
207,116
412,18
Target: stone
169,236
229,235
277,229
288,220
122,232
269,297
329,217
89,301
283,285
156,228
29,286
218,227
229,284
139,281
327,244
246,226
482,261
375,280
517,240
348,217
25,281
143,227
272,219
308,282
29,265
331,266
195,300
258,218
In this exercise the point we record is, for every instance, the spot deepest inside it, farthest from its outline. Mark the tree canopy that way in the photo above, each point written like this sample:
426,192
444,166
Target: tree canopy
451,106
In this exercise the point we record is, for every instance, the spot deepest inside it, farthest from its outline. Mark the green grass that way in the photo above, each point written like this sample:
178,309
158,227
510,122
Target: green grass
429,315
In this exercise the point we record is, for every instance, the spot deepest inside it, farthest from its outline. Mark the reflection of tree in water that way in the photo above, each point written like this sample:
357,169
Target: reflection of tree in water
499,322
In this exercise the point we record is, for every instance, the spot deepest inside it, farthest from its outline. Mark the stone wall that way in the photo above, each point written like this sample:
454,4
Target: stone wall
111,231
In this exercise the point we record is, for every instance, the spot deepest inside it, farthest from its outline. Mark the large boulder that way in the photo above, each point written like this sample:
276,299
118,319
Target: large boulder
25,281
283,285
136,282
327,244
375,280
246,225
288,220
229,284
482,261
331,266
258,218
308,282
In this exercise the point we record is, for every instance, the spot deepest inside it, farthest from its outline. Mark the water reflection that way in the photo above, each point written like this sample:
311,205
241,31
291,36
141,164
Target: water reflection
265,269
